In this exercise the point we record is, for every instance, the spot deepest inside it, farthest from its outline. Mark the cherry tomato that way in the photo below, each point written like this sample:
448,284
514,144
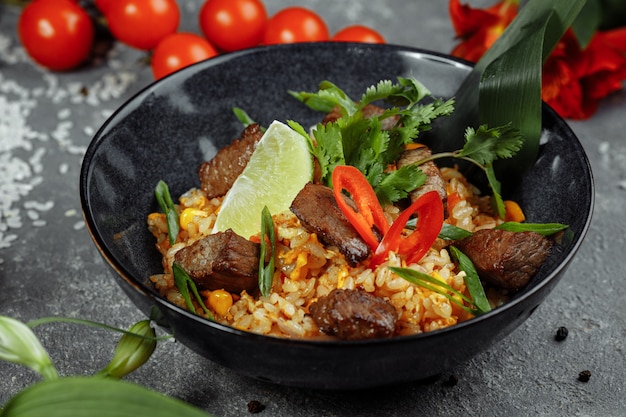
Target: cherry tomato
358,33
57,34
142,23
295,24
233,24
179,50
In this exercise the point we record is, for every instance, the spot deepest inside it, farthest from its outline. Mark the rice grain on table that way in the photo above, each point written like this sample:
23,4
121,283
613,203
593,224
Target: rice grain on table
307,270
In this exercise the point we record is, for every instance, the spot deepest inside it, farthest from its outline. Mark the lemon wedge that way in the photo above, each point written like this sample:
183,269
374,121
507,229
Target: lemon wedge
278,169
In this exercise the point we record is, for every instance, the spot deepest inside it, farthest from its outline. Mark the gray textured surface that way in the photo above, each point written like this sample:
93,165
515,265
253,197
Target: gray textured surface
49,266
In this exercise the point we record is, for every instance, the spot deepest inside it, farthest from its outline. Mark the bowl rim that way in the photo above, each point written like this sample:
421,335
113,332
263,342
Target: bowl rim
151,293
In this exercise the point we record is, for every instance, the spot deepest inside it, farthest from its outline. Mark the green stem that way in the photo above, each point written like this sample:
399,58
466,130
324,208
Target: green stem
48,320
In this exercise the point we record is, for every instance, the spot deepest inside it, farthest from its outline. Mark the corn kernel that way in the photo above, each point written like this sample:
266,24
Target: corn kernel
220,301
188,215
301,269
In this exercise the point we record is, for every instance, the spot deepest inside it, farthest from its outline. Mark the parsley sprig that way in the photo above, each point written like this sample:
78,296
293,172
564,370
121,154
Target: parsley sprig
356,140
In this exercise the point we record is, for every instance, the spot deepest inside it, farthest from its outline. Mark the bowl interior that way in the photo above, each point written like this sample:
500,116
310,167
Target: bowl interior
167,130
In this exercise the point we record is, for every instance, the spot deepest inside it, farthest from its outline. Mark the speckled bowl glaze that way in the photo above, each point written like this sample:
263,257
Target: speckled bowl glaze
168,129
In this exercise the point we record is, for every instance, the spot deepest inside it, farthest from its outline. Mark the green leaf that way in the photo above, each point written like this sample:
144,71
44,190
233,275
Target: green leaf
266,269
472,281
184,283
399,183
18,344
327,97
588,21
386,90
133,350
545,229
486,145
94,397
524,112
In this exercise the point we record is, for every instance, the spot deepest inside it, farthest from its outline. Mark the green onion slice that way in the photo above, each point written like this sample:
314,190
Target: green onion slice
474,286
184,283
545,229
162,194
433,284
266,269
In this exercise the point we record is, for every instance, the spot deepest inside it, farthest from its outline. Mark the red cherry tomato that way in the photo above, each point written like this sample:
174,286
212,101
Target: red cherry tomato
358,33
179,50
295,24
233,24
142,23
57,34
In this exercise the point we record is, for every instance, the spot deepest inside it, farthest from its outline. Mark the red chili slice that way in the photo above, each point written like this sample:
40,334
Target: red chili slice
370,214
429,209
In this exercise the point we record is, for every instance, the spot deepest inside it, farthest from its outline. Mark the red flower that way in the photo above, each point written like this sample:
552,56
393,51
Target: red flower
575,79
479,28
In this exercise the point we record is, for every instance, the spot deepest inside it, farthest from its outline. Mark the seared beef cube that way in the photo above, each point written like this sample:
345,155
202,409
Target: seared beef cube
219,174
317,209
223,260
434,179
506,259
369,111
354,314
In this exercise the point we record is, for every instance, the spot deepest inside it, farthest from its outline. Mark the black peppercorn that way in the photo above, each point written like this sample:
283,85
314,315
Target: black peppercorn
584,376
561,334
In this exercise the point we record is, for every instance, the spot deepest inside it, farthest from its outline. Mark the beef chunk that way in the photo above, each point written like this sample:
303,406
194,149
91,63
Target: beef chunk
434,179
222,260
317,209
506,259
219,174
354,314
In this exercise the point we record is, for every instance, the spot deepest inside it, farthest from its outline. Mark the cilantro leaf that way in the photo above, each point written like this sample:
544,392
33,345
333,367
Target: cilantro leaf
485,145
398,184
360,141
354,139
327,98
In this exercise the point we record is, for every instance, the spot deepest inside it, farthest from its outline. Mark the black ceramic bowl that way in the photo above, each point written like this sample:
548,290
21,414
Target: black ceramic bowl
168,129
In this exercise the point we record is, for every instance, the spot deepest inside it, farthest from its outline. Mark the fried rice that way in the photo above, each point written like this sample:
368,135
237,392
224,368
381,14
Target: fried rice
306,269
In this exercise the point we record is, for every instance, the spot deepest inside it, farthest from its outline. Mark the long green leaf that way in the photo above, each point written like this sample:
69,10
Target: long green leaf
505,85
94,397
588,21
